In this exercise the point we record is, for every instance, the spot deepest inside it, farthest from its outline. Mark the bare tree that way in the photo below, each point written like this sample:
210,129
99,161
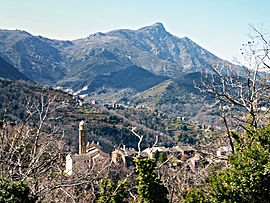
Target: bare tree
242,92
242,95
32,151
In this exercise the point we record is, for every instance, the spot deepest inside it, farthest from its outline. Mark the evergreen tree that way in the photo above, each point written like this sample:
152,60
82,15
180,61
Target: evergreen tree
149,189
14,192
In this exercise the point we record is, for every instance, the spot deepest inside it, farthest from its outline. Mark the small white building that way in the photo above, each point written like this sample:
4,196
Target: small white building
151,150
223,152
77,162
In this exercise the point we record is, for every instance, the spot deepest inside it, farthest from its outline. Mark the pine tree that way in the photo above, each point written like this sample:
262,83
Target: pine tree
149,189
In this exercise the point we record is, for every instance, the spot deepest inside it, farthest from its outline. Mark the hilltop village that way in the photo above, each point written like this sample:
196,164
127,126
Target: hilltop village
90,156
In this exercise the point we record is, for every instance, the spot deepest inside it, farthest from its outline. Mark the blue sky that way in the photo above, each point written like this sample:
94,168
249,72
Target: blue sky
220,26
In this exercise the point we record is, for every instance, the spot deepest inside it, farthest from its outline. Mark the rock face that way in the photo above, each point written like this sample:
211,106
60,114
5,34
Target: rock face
75,64
151,48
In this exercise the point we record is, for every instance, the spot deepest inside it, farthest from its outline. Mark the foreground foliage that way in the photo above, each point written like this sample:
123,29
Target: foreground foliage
248,177
14,192
149,189
111,192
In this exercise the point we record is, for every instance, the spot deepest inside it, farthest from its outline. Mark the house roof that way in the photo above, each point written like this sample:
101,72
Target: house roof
79,157
184,148
126,152
224,149
88,146
154,149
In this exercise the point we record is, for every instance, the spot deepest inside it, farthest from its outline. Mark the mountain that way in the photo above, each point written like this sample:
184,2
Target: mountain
48,61
179,98
38,58
132,77
148,66
7,71
151,48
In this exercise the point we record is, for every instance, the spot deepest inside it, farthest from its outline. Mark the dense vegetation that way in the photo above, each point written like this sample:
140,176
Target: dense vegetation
108,129
180,98
248,177
150,189
15,192
182,131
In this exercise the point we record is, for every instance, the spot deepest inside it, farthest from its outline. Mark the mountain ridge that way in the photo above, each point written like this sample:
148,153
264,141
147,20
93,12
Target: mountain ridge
100,60
150,47
117,65
7,71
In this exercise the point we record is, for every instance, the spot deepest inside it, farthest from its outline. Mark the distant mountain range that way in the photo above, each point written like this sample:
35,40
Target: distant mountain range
152,48
120,64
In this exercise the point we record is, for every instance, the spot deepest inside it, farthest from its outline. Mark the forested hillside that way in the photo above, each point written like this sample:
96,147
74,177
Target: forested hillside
110,128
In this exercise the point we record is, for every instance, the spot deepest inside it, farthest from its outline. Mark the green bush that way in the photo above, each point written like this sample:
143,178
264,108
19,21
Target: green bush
247,180
14,192
110,192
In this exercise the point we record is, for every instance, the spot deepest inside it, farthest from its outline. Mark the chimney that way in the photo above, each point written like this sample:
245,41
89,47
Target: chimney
82,137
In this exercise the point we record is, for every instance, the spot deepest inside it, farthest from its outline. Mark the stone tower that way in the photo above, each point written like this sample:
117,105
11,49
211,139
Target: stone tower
82,138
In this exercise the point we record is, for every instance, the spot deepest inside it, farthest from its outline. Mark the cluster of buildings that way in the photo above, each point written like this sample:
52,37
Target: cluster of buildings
91,157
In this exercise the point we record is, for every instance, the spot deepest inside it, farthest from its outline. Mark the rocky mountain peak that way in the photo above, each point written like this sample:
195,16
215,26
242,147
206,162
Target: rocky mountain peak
152,35
150,47
155,28
159,26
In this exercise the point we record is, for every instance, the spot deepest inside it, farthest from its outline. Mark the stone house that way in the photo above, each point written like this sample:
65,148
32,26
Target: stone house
186,151
123,157
195,161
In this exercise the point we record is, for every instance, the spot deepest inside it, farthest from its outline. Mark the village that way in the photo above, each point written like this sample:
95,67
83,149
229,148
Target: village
90,155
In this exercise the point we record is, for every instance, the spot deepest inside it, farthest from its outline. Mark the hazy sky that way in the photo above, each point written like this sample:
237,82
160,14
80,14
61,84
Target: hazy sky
220,26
